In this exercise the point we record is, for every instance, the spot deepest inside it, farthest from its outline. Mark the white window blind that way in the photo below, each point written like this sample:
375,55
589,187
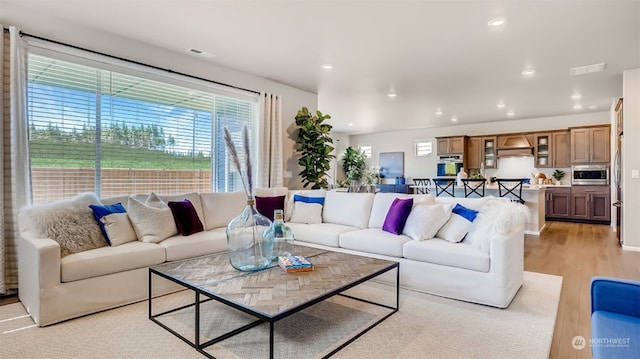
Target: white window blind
423,148
366,150
93,129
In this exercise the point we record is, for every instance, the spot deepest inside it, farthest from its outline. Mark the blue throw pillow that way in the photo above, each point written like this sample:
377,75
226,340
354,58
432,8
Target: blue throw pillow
105,210
397,215
299,198
458,224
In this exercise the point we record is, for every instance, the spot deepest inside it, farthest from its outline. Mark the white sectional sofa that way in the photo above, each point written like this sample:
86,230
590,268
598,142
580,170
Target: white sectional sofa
54,289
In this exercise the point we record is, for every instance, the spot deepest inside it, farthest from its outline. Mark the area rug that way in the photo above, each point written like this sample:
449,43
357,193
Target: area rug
426,326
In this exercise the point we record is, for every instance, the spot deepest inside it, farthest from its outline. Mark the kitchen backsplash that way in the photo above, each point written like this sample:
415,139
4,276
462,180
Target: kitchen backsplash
523,167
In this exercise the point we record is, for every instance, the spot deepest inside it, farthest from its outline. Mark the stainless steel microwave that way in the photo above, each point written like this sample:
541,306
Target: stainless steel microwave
590,175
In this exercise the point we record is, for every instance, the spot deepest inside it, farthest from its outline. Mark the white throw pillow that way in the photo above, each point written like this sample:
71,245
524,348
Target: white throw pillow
152,224
458,224
308,213
425,220
118,228
288,208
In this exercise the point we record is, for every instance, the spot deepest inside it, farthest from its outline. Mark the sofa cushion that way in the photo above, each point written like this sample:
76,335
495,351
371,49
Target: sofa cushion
152,220
186,217
471,203
193,197
107,260
498,216
373,240
439,251
288,210
425,220
221,207
304,212
267,205
197,244
118,228
326,234
458,224
101,211
397,215
349,209
75,229
382,202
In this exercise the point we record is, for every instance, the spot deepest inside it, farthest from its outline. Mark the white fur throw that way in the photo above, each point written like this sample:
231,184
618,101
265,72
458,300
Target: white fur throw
75,229
153,221
496,216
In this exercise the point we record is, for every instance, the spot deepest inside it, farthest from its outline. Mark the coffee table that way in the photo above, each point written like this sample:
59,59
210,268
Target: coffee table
271,294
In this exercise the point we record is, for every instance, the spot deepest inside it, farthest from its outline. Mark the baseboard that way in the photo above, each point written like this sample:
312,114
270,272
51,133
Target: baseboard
630,248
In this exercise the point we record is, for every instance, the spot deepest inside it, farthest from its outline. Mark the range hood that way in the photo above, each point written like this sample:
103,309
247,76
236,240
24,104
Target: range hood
515,145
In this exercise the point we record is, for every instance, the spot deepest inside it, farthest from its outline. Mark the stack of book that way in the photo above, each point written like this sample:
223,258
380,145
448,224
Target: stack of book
295,264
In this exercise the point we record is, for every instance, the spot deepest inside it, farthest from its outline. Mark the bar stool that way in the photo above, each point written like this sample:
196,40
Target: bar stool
421,185
511,186
445,185
474,185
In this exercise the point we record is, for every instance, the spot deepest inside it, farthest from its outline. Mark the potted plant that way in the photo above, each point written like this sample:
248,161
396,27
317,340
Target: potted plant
558,175
313,144
353,164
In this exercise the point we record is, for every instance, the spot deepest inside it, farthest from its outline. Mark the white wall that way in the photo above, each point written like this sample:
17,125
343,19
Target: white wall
426,166
54,29
630,159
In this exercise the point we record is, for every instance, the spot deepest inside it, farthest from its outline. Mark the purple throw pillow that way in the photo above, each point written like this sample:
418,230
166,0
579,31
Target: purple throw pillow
397,215
186,217
266,205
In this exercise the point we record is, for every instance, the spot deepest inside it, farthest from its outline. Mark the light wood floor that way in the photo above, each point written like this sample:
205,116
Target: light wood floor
577,252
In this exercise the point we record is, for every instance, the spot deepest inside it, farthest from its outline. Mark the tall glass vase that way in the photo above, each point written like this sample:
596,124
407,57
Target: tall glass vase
249,250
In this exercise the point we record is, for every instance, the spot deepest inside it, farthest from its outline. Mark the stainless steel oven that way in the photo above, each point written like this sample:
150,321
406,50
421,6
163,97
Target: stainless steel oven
590,175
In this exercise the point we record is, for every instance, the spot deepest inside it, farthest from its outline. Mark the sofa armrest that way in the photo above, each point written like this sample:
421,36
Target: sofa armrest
615,295
38,262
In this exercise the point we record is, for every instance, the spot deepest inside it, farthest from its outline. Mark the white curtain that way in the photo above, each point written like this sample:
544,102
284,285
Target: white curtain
270,166
15,178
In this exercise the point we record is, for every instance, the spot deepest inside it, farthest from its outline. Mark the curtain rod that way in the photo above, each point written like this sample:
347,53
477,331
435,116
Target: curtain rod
136,62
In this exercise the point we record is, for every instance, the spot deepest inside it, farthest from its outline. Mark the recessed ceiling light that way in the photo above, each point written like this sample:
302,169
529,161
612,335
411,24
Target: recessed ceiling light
438,112
577,106
350,124
576,96
511,113
200,53
327,66
497,22
528,72
454,118
501,104
593,107
391,95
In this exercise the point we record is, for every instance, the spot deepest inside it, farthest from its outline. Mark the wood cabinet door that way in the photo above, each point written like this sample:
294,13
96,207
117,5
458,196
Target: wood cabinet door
542,150
600,206
489,145
456,145
600,144
580,145
580,206
474,153
561,149
559,205
443,146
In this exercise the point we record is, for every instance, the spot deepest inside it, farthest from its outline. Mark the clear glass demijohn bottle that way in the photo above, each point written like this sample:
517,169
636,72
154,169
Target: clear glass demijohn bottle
281,234
249,249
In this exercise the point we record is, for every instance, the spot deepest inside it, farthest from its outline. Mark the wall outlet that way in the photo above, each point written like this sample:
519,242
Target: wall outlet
288,174
635,173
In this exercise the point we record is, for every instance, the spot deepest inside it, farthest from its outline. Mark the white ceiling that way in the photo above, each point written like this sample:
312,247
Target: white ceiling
432,54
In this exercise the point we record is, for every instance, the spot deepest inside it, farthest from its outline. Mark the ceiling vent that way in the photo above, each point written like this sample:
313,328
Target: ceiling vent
201,53
589,69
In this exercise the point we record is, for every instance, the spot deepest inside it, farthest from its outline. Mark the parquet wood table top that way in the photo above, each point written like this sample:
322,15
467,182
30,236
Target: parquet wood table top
273,292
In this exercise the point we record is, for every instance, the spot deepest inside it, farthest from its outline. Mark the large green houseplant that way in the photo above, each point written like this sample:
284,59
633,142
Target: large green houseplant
313,144
353,164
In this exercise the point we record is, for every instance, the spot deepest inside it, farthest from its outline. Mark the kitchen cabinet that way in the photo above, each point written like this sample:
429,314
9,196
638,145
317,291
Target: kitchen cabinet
558,203
474,153
489,145
591,203
551,149
451,145
590,144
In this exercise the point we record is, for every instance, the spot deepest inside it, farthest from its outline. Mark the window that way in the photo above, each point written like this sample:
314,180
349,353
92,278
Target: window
423,148
119,133
366,150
